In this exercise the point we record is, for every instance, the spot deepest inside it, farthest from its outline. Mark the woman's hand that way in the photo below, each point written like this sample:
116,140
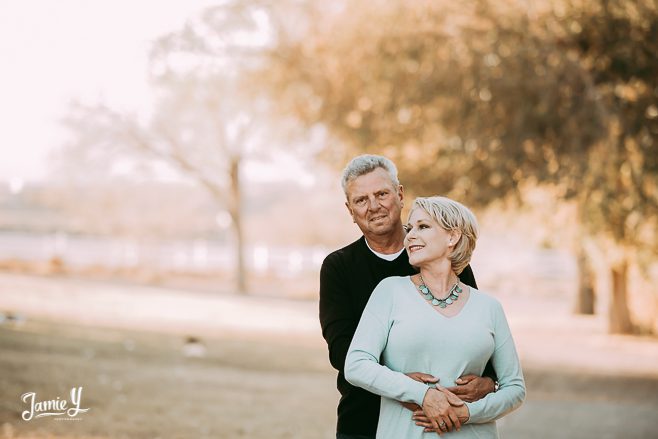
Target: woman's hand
431,380
423,421
441,415
421,377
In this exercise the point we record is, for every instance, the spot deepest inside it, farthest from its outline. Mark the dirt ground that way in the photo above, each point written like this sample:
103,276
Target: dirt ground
264,370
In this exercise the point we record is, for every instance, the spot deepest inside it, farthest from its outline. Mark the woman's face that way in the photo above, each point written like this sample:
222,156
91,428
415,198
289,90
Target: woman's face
426,241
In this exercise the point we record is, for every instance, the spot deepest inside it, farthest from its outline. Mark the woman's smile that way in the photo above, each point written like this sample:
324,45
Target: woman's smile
414,247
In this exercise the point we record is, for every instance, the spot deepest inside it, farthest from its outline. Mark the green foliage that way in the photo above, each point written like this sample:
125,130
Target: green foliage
477,100
617,42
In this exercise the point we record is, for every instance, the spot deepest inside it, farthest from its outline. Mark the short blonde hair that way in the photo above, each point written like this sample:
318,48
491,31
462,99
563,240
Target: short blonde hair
452,215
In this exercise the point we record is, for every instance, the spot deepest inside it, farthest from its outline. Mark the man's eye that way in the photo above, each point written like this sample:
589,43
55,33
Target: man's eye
382,194
360,201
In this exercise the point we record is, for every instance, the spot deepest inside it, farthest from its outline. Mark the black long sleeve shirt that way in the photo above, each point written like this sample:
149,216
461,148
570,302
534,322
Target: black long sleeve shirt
347,278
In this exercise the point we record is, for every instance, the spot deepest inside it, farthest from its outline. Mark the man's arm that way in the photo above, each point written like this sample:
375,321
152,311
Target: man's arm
337,318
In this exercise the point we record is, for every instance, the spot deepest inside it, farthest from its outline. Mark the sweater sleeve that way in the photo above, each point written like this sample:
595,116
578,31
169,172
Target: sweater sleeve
468,278
362,366
511,391
336,312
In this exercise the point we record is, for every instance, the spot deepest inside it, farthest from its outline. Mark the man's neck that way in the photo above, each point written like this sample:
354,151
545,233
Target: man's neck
387,244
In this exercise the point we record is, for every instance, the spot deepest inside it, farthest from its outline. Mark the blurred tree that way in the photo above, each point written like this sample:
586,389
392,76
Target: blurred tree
195,129
479,99
204,121
617,43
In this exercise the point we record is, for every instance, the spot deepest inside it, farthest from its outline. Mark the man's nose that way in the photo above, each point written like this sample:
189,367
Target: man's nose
373,203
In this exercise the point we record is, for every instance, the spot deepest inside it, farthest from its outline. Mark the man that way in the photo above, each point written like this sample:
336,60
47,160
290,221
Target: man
348,276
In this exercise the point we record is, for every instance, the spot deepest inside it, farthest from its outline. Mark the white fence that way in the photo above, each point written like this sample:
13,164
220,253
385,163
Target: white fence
179,255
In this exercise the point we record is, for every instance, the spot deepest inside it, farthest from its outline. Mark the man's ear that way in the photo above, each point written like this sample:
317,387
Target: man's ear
349,209
401,194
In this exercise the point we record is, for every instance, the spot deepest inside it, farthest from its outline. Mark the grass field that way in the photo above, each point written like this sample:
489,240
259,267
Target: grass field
137,382
140,385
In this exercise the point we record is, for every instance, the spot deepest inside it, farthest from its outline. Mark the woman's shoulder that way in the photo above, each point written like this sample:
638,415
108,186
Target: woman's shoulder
394,280
485,299
390,285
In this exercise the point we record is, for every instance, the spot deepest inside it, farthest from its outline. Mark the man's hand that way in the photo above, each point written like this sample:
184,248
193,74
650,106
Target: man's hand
471,388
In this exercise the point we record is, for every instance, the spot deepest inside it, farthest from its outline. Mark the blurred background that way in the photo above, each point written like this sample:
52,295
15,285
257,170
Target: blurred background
169,187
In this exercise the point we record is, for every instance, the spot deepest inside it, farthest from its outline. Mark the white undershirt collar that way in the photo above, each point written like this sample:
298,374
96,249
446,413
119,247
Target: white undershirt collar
384,256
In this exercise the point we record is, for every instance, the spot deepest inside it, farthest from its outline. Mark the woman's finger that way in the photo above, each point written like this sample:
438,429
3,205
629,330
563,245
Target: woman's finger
421,418
424,424
447,423
455,420
435,427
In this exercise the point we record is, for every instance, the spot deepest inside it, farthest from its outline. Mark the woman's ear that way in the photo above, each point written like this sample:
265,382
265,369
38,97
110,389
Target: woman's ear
455,235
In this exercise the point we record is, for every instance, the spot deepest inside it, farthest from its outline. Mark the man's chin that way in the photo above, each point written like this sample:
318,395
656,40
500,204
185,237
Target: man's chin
381,229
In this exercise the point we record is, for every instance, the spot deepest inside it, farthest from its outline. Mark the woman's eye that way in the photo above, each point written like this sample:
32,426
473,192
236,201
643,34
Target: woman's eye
406,228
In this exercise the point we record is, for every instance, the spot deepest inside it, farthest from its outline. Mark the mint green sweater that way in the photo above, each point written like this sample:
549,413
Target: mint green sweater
399,327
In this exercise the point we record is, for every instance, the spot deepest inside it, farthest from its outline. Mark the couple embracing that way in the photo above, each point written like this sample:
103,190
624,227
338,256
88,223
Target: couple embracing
418,349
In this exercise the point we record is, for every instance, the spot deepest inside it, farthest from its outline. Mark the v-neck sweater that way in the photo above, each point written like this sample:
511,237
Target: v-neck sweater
347,278
400,332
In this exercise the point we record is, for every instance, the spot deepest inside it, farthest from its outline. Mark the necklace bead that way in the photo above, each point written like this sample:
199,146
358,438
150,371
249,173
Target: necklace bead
451,298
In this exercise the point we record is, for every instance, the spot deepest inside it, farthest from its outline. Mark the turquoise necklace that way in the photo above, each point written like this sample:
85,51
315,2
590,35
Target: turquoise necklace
451,298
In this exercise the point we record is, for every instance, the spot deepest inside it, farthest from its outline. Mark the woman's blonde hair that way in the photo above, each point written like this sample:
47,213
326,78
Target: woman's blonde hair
452,215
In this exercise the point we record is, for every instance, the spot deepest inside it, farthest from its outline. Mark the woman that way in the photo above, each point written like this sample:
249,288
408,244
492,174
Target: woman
434,323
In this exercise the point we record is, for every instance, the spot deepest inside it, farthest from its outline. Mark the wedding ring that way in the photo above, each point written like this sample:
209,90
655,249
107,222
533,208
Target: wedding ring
442,424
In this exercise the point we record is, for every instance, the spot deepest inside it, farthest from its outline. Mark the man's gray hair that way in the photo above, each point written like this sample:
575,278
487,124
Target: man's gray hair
364,164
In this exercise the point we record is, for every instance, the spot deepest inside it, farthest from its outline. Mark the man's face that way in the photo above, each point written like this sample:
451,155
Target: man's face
375,203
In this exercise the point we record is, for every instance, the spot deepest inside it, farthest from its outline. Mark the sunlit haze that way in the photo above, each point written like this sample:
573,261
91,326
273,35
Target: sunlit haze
54,52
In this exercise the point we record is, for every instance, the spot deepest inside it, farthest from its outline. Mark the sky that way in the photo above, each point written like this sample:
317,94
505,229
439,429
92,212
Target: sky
53,52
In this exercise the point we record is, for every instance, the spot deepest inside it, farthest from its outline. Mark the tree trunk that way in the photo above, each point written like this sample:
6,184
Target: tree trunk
236,216
620,319
586,294
586,298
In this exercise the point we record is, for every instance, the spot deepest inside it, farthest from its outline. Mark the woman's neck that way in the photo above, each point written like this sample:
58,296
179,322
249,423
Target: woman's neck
439,277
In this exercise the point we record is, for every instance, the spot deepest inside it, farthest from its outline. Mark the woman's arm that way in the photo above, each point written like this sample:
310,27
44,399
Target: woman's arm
505,360
362,366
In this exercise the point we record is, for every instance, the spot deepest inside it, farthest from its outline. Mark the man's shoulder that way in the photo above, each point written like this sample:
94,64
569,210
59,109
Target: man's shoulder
345,253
